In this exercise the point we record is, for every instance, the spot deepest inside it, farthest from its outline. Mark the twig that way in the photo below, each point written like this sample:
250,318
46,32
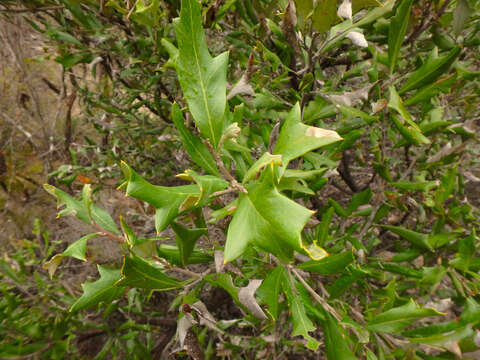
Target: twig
223,169
317,297
107,233
345,174
223,192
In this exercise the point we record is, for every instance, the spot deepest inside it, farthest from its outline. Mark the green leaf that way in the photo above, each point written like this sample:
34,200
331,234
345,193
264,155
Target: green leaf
77,208
443,84
376,13
266,218
397,319
471,312
431,70
167,201
203,78
302,325
396,32
263,161
324,15
186,239
197,150
444,340
466,252
405,124
102,290
296,139
415,238
130,236
172,254
335,344
332,264
139,273
270,289
208,184
79,247
460,16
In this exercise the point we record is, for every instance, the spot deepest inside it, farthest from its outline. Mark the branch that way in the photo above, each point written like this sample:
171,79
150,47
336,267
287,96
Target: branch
317,297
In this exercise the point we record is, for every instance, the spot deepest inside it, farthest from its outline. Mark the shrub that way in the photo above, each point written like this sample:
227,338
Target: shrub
327,192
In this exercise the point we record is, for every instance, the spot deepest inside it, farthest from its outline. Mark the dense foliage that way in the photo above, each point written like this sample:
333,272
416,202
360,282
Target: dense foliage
329,190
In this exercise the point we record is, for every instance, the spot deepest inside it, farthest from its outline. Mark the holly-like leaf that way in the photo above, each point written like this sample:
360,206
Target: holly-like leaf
102,290
396,32
79,247
266,218
296,139
203,78
431,70
263,161
186,239
397,319
197,150
166,200
77,208
139,273
208,184
246,296
335,344
302,325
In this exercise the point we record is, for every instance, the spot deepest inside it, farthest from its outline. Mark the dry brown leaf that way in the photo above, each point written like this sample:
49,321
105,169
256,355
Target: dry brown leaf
246,296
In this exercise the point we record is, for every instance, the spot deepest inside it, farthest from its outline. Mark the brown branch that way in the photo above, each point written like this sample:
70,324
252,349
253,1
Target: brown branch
223,169
344,172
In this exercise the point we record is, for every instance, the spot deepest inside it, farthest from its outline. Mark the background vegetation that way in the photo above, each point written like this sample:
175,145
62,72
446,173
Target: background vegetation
326,198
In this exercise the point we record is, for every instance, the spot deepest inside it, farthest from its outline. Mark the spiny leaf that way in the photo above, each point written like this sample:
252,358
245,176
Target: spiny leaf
79,247
246,296
166,200
102,290
296,139
266,218
77,208
264,160
186,239
203,78
139,273
302,325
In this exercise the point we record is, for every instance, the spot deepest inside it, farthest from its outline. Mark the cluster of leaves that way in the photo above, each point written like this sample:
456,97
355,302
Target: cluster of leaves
379,260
